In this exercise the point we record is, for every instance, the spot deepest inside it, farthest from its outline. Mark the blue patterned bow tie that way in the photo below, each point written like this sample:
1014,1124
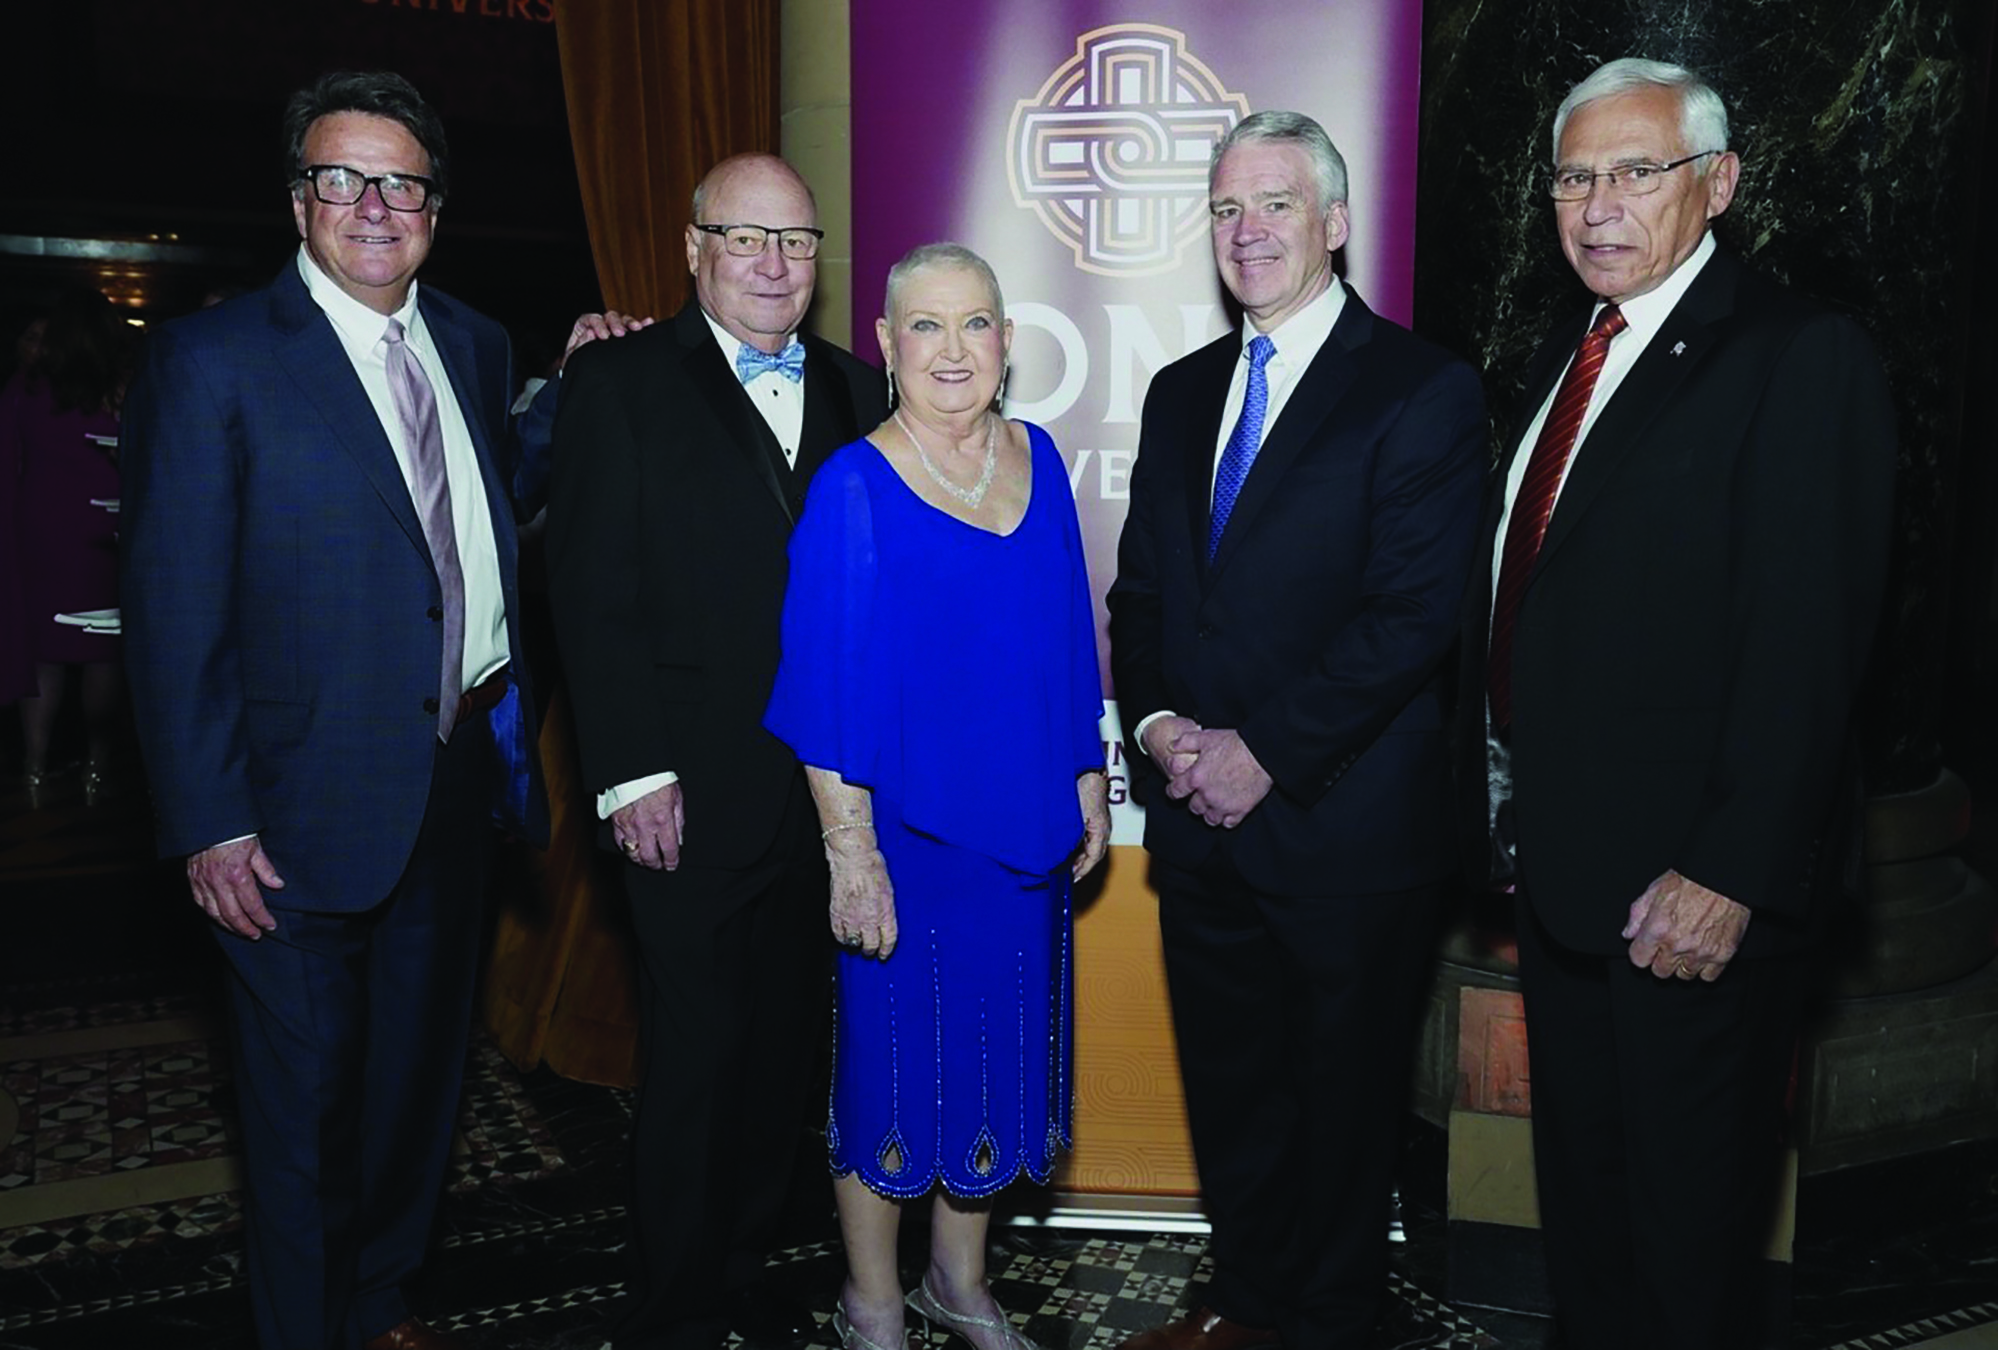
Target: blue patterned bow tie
753,361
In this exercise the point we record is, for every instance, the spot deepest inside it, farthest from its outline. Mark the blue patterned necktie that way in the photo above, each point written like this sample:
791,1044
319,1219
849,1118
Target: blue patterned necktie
1243,442
753,361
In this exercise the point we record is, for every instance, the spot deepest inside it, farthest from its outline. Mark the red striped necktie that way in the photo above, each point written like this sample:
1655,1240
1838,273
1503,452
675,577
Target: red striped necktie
1533,507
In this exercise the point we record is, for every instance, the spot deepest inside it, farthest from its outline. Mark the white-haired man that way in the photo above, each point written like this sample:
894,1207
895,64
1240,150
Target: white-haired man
1682,559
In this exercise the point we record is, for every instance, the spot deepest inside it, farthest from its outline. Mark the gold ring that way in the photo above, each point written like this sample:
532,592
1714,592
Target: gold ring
631,846
1684,968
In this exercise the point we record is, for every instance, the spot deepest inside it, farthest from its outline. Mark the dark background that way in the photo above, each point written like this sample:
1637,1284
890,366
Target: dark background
157,123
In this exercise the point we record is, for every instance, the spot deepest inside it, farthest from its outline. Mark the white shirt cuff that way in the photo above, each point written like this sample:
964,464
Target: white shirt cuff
624,794
1138,735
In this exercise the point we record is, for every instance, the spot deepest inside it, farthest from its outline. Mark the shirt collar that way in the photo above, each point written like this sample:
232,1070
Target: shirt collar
361,326
730,344
1646,313
1303,333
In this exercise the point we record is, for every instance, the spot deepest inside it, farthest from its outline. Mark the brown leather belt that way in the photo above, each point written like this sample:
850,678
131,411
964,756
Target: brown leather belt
482,697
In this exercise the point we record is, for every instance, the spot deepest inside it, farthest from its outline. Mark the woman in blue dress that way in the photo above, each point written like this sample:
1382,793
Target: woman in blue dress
940,683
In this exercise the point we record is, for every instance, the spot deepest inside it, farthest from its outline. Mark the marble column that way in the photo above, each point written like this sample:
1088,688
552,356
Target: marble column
1860,132
814,96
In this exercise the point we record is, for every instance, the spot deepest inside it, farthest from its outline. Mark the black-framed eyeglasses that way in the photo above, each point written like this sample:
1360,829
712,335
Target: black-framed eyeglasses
796,242
1626,180
338,185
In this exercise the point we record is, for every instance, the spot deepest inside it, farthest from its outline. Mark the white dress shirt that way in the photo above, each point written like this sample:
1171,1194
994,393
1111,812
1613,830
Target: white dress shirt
780,401
781,404
361,331
1297,340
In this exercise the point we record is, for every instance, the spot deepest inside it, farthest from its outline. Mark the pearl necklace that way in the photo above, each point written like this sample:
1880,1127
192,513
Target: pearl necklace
974,494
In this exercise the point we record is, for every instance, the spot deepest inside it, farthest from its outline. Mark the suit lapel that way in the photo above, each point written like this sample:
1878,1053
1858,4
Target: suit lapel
1316,391
1209,380
1548,364
748,435
830,420
461,365
1675,351
311,354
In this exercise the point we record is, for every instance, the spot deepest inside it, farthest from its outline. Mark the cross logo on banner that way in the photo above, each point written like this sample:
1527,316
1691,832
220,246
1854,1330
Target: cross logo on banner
1112,153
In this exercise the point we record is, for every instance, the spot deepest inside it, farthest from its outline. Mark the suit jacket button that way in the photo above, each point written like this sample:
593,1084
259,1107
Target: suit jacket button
435,612
1204,632
430,706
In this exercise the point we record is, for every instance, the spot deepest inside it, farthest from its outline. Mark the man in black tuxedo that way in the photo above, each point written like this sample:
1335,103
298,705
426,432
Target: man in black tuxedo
1681,562
682,455
1289,576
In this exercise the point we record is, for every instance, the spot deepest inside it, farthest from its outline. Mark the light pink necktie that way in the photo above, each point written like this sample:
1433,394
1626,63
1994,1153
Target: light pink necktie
416,407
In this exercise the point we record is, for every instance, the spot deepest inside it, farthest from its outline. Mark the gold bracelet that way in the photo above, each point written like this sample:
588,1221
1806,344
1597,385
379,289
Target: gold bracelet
825,835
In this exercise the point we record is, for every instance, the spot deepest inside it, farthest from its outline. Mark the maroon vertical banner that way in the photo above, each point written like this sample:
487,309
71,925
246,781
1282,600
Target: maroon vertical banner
1068,142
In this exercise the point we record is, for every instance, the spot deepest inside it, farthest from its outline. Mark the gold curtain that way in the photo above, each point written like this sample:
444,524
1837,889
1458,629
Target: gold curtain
658,92
559,983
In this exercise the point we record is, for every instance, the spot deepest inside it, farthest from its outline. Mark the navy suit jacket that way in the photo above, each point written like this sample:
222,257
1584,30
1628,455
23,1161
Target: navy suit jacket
278,593
1321,628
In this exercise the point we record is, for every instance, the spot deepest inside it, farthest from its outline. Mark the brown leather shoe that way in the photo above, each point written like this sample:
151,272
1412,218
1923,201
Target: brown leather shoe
413,1335
1201,1330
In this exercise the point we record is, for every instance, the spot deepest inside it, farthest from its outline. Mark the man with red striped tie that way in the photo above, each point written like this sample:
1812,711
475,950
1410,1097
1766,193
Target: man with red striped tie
1683,558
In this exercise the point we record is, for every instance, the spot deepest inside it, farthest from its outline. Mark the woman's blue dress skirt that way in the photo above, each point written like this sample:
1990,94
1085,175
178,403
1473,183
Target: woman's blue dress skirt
951,1059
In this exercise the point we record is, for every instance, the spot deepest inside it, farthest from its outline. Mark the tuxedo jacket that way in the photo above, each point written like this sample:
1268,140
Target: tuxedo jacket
282,614
1321,627
668,515
1691,637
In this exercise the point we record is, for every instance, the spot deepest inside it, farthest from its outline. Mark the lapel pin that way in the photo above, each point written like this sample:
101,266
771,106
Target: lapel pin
1678,349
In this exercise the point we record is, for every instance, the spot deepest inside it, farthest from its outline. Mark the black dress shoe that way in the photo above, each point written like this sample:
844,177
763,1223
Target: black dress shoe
769,1319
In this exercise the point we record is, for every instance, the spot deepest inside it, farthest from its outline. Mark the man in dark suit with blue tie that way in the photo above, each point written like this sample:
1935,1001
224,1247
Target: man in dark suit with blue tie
1289,575
322,634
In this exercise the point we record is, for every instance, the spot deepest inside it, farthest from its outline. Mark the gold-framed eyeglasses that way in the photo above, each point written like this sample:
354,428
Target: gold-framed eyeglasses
1625,180
796,242
338,185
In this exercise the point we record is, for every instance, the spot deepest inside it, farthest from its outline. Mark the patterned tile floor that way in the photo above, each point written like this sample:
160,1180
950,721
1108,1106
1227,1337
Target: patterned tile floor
115,1142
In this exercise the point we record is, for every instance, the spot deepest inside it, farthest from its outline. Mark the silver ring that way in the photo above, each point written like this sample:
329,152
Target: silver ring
631,846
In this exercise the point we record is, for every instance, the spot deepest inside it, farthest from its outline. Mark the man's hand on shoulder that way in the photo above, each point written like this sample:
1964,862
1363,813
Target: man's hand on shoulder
1223,781
609,324
648,831
1681,930
228,882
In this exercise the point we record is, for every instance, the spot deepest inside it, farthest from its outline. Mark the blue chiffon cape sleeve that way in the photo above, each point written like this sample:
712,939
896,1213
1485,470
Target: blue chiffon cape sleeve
946,669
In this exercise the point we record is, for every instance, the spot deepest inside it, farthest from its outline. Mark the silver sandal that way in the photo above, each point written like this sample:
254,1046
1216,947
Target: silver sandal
850,1339
930,1306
